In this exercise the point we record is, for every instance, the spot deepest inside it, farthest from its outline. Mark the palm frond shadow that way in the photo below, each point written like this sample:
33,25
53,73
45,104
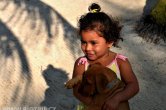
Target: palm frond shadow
36,8
9,44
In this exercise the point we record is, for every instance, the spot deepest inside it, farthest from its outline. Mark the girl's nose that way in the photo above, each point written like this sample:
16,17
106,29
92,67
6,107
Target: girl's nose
88,47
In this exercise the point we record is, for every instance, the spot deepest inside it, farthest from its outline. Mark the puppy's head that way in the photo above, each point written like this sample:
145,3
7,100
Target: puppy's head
95,79
87,87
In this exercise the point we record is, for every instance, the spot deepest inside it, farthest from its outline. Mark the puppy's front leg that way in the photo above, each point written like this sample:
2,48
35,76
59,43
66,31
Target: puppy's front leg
70,84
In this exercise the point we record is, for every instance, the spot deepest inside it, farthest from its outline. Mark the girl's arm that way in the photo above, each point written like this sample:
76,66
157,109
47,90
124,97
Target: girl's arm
79,70
131,88
130,79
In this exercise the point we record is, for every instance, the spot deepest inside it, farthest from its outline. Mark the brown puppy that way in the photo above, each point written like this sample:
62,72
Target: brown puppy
100,82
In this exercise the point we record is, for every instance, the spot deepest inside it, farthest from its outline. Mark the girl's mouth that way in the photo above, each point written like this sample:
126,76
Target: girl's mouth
89,55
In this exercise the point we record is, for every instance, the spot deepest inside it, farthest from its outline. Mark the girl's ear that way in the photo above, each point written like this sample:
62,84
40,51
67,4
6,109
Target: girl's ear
110,44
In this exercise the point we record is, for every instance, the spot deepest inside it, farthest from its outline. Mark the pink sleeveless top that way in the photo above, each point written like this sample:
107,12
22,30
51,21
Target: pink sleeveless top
113,64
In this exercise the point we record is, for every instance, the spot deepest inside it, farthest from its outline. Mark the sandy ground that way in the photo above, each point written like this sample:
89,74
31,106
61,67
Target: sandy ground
39,44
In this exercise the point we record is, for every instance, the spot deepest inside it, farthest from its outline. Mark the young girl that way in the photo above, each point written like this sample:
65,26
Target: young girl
99,33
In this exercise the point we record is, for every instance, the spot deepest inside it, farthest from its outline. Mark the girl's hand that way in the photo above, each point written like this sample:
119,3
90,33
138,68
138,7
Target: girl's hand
111,104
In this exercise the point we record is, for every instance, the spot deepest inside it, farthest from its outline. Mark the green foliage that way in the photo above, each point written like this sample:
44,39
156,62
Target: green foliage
159,12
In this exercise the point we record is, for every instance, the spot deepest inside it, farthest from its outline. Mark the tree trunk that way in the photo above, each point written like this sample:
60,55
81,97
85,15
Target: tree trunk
152,25
150,4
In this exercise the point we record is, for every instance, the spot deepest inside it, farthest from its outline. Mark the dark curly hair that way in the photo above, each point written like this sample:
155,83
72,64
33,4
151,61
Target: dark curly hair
106,26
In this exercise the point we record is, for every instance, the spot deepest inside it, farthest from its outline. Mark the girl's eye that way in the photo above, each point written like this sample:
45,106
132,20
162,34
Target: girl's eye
83,42
93,42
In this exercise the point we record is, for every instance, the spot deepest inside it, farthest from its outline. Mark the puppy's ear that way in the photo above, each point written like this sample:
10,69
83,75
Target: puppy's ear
84,86
101,82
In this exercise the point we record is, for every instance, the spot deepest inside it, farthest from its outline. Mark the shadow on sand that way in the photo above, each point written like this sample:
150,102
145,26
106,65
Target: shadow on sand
37,9
9,44
56,95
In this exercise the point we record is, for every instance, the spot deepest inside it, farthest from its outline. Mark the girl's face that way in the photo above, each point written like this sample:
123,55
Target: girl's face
93,45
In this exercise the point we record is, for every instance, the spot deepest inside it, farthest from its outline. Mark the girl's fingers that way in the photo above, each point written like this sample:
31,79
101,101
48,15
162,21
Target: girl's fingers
82,61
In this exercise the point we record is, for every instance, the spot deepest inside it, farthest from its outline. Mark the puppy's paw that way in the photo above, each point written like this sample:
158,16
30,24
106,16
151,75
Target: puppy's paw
70,84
